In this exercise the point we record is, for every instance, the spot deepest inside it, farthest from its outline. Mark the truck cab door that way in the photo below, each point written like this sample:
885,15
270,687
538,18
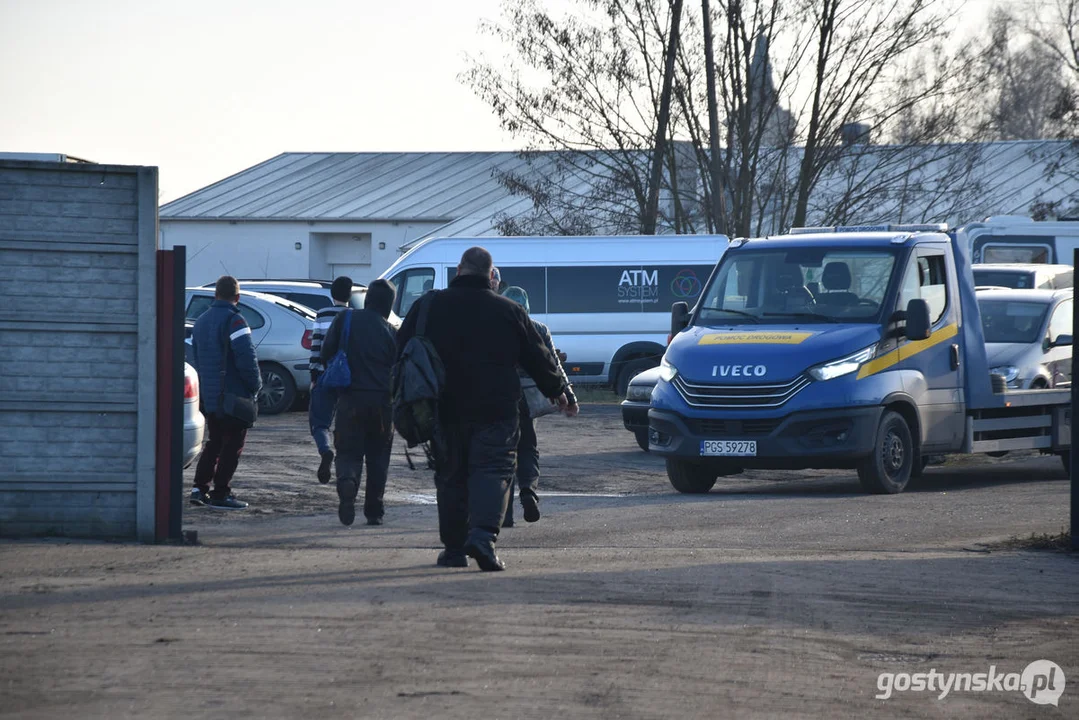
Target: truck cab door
937,378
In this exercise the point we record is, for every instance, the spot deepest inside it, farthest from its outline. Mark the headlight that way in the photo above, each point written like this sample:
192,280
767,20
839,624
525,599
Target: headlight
666,371
843,366
1010,372
639,393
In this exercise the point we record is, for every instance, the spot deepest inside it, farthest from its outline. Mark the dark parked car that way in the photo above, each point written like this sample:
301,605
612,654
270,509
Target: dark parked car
635,406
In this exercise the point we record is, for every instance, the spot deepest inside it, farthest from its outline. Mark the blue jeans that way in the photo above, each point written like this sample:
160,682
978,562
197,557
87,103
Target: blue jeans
320,412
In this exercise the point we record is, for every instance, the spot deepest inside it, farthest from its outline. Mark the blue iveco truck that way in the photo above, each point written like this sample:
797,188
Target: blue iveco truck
840,348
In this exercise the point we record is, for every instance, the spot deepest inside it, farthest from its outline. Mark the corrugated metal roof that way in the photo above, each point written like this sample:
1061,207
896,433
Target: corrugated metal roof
355,186
462,189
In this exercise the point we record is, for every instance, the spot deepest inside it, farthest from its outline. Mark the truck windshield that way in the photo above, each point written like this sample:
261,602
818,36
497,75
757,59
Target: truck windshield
808,284
1012,321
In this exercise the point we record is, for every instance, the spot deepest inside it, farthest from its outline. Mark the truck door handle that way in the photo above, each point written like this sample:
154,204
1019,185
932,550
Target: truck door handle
955,357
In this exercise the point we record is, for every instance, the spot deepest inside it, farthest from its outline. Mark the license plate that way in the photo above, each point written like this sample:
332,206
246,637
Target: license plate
735,448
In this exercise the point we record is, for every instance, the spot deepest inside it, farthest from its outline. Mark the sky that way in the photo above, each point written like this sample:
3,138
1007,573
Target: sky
205,88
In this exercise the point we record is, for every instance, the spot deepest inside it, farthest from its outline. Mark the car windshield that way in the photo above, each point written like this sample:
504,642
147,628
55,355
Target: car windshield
1004,278
807,284
1012,321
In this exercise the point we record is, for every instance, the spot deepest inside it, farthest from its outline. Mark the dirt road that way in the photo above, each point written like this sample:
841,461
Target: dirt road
776,594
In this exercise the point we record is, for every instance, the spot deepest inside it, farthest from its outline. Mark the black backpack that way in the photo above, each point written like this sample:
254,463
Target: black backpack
418,379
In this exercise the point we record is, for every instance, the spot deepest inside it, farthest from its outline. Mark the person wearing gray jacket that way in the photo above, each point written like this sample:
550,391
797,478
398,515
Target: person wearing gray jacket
527,473
222,348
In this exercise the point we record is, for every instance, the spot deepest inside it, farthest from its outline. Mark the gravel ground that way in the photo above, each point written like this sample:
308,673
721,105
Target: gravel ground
777,594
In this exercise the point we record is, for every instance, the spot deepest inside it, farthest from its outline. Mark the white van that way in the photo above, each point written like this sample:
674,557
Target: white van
1017,239
607,300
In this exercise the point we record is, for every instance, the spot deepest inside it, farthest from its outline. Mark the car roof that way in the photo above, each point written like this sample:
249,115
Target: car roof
834,239
1044,296
290,284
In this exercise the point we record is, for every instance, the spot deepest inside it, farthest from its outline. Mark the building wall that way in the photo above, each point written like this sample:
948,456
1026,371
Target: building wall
267,249
77,368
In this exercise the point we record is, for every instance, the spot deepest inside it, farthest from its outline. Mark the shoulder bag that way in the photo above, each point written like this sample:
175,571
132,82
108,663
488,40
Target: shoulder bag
337,374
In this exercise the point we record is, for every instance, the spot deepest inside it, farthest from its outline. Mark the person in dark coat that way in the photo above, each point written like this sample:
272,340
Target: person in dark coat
528,470
221,335
481,338
364,424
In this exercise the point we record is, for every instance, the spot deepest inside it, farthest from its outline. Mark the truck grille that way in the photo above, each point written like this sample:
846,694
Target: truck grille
738,396
733,428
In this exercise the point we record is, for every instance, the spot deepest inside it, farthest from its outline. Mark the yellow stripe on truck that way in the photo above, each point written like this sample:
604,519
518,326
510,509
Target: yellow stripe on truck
755,338
907,350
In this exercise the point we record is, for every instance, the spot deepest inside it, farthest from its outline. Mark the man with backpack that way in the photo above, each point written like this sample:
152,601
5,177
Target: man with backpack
228,368
480,338
364,424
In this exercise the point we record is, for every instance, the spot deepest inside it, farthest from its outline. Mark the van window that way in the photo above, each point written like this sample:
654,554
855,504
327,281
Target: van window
926,278
623,288
532,279
411,285
1015,253
534,282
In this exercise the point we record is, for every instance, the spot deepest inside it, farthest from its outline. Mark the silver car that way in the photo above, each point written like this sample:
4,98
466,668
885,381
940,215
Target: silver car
1028,336
315,294
281,332
194,423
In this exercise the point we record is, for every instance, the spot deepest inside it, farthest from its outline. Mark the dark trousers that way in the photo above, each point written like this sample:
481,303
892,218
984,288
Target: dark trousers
528,472
475,469
320,412
220,455
364,433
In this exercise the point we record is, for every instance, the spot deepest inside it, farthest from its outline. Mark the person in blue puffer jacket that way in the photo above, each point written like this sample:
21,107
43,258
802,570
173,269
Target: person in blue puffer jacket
221,335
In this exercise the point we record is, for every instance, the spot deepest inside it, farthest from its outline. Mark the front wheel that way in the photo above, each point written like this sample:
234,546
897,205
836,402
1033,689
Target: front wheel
888,469
690,478
278,389
642,439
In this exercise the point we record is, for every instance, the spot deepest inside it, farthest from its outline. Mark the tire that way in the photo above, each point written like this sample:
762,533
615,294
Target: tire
630,369
1039,384
642,439
278,389
1066,461
689,478
888,469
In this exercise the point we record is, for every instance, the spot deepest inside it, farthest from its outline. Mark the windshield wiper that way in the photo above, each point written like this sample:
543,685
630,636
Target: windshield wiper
743,313
815,316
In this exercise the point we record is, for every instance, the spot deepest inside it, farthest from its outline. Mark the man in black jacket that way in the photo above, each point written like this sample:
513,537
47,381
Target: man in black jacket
481,338
364,425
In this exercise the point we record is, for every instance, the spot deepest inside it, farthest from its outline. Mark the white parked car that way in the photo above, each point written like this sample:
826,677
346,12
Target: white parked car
194,422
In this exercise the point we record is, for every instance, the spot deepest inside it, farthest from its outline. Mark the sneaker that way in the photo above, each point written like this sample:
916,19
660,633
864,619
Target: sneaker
530,503
346,507
227,503
198,497
374,521
325,467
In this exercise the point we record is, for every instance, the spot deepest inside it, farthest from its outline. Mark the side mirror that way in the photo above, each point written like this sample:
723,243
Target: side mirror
1061,340
919,325
679,317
